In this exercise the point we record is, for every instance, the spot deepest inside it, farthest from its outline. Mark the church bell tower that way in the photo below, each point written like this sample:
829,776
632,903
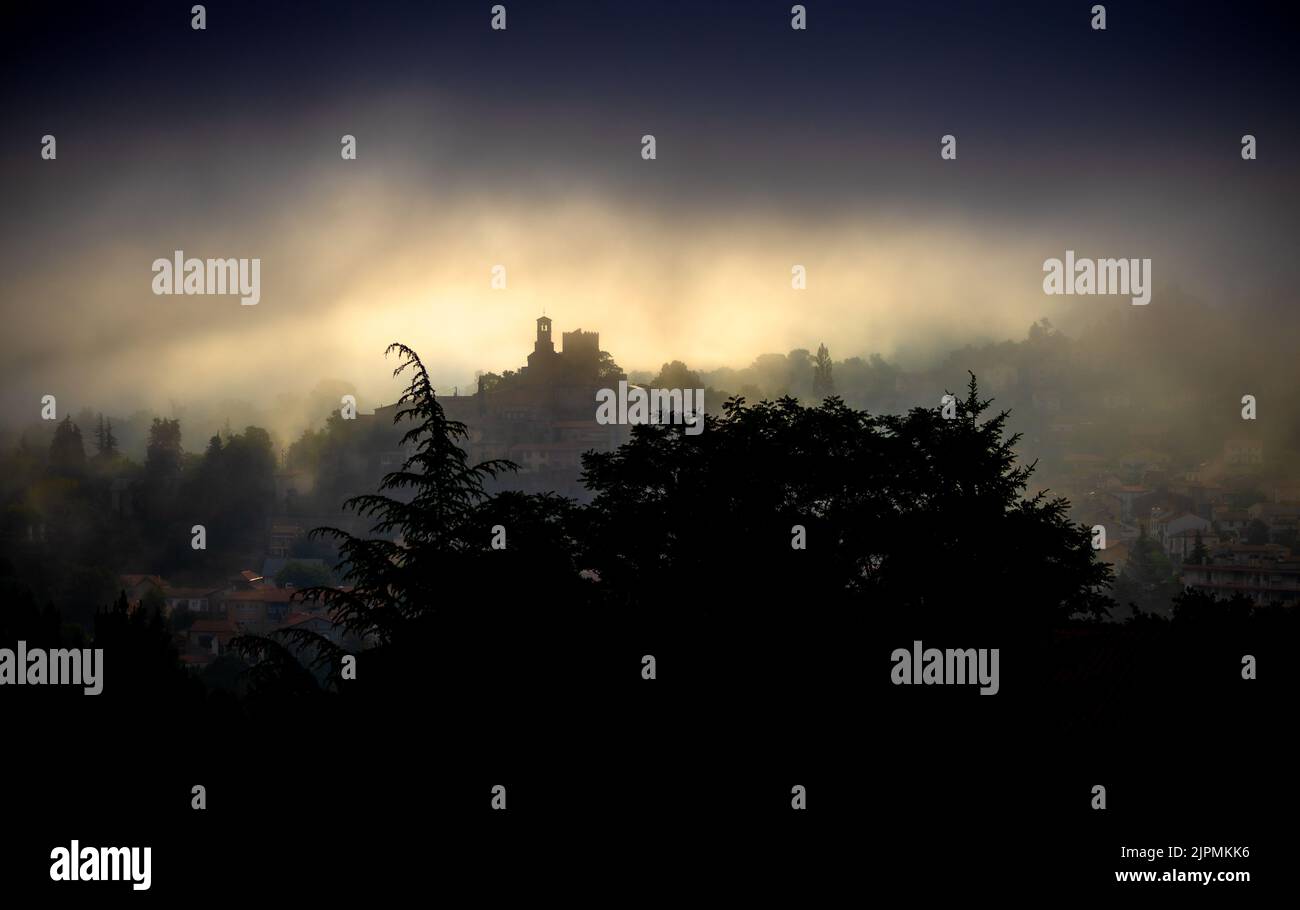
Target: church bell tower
542,360
544,343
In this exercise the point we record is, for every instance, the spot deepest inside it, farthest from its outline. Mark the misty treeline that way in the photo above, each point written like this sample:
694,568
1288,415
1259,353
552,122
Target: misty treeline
1172,374
81,513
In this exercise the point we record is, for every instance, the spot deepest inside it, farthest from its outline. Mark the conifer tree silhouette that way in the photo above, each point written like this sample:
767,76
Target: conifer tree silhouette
398,577
426,594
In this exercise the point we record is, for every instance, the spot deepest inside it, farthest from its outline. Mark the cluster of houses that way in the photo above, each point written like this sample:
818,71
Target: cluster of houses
250,604
1245,549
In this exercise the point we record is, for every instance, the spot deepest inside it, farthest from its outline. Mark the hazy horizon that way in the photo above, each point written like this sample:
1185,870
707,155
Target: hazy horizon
775,148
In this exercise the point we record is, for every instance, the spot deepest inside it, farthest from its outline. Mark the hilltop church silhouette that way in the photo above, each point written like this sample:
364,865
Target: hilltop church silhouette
542,417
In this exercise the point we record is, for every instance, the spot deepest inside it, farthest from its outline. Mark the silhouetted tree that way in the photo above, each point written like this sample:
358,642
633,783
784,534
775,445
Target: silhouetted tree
901,514
106,450
422,593
1149,581
676,375
823,383
142,658
67,452
162,461
606,368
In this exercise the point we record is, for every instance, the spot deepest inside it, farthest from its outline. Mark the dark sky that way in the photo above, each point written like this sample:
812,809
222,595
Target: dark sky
1035,69
736,91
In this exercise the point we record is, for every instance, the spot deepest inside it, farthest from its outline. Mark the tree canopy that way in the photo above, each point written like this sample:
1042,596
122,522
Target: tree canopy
776,513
